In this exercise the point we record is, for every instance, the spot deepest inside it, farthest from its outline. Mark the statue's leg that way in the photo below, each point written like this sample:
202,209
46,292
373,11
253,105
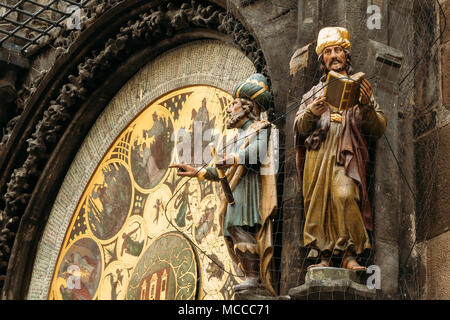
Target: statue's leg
348,226
246,250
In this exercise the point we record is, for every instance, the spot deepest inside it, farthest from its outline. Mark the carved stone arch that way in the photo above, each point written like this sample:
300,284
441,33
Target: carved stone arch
70,98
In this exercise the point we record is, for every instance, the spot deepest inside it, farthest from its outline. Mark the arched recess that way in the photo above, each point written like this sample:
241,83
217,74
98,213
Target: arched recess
72,96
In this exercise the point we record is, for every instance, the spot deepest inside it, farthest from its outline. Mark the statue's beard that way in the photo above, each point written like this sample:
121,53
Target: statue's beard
233,120
338,69
330,66
325,69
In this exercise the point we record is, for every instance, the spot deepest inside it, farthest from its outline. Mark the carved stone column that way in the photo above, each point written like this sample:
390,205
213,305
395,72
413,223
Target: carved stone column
385,62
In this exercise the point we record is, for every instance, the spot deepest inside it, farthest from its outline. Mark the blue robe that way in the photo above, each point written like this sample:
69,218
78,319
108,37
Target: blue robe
247,194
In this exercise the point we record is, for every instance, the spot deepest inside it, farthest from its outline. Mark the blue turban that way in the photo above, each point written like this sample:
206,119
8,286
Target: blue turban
255,88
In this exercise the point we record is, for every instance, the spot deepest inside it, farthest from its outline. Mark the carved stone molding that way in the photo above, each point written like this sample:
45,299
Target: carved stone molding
59,38
151,27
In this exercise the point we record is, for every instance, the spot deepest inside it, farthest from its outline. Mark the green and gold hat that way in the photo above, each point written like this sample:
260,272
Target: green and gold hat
255,88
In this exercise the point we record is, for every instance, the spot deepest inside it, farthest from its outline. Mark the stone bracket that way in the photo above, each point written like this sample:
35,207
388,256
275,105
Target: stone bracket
332,284
385,60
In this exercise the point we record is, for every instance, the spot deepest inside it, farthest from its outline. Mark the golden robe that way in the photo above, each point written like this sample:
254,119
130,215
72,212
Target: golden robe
332,189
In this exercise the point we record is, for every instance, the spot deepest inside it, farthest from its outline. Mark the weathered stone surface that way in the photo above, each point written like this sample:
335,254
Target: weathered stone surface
11,64
14,59
425,123
259,293
375,33
426,89
438,267
293,255
386,184
425,158
273,24
441,222
433,200
387,259
331,274
446,33
307,20
445,56
299,59
332,284
383,60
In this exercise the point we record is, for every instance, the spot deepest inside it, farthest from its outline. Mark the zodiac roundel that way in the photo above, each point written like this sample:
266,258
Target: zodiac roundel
166,271
80,271
109,200
151,147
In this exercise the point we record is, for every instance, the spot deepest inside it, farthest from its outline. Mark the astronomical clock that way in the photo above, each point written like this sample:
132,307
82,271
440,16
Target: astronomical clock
133,229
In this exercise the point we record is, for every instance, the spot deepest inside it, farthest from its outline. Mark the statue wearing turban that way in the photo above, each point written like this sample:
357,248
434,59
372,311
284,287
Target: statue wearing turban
332,159
247,224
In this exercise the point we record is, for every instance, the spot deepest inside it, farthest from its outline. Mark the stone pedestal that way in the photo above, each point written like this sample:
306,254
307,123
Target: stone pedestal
333,284
260,293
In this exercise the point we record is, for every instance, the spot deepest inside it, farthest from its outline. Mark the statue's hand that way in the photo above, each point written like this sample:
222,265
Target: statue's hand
185,170
225,162
366,92
318,106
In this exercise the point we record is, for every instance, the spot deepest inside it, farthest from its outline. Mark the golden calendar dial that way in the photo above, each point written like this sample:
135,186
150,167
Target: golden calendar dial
136,213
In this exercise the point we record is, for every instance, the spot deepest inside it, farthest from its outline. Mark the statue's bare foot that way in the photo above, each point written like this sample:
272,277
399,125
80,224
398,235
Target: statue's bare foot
351,264
322,264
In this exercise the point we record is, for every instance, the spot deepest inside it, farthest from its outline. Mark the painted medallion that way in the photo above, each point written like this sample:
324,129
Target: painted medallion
164,274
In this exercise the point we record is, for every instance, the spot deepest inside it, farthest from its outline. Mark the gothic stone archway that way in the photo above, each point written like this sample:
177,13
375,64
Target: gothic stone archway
70,98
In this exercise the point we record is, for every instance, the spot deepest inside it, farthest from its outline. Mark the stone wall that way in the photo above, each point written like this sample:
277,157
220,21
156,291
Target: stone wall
433,234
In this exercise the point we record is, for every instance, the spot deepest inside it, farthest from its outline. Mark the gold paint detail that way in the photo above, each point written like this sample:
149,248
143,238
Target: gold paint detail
260,83
258,93
239,90
236,159
201,174
335,117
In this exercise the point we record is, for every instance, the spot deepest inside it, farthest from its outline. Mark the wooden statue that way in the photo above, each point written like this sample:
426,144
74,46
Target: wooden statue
332,159
247,215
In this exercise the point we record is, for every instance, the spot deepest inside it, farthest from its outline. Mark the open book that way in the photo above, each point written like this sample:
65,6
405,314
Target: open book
343,92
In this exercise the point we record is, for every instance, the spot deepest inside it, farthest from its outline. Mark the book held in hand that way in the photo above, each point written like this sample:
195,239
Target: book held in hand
343,92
